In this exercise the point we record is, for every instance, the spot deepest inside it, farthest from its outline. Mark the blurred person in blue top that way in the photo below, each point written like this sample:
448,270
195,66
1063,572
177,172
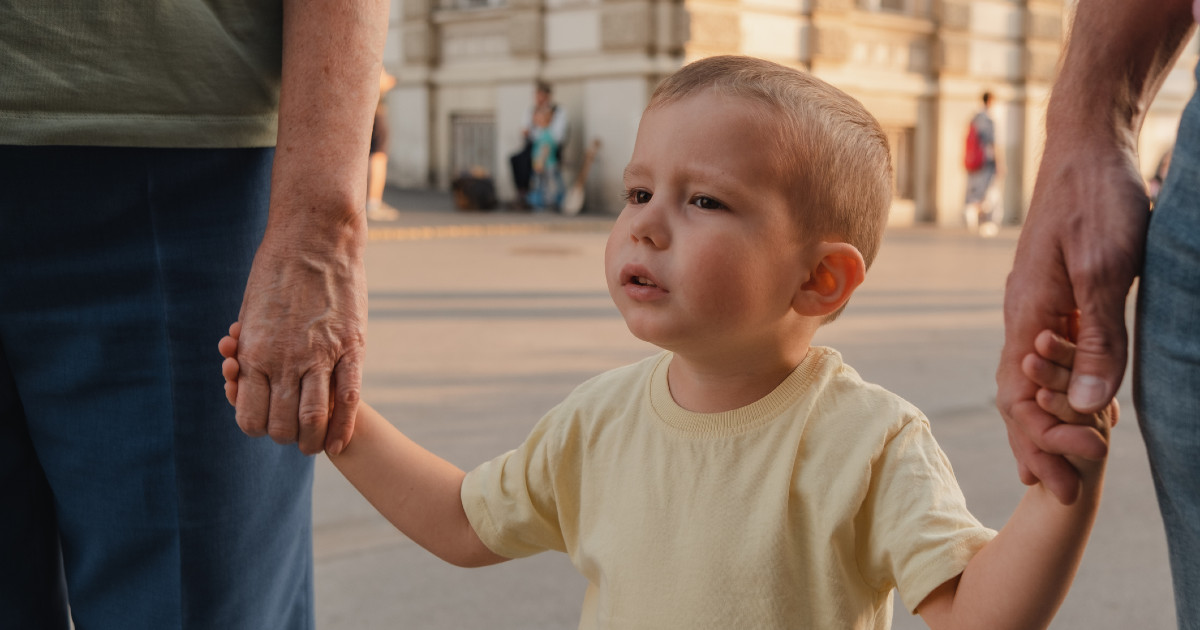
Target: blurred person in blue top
546,186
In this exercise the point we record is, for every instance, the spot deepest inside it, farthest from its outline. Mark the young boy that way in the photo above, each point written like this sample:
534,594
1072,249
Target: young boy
546,186
742,478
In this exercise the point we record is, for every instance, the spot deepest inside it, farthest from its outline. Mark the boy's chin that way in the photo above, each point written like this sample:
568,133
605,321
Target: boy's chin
653,336
642,331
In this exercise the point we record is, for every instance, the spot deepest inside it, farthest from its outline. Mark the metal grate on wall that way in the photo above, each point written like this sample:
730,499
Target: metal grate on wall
472,142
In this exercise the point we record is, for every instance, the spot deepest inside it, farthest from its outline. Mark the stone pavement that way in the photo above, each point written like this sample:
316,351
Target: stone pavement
476,329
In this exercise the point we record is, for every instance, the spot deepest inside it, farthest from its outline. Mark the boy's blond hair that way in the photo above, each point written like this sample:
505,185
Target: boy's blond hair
831,150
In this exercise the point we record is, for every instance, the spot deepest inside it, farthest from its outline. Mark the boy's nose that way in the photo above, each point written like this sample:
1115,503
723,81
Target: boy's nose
648,226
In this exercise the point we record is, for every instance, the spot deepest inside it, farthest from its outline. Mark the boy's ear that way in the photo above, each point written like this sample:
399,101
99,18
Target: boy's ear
838,271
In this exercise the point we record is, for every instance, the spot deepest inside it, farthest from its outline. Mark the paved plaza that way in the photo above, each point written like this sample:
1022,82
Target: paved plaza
480,322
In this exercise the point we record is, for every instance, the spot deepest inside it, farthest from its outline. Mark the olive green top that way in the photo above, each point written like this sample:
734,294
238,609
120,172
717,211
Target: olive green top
149,73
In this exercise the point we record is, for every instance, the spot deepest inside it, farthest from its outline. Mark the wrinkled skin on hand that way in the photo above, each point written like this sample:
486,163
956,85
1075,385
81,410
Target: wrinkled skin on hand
302,345
1081,248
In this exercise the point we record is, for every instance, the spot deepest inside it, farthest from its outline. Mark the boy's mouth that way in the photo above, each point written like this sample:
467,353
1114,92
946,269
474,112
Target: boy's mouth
635,275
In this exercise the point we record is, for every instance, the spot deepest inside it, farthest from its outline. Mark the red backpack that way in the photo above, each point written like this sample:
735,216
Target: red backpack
973,157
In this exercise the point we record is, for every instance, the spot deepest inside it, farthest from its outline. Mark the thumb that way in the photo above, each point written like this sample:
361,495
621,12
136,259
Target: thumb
1100,355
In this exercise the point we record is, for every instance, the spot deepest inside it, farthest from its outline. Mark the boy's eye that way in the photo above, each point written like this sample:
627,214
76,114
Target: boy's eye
708,203
637,196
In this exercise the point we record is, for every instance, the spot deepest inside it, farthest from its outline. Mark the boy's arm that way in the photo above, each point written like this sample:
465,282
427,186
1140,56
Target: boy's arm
1020,578
416,490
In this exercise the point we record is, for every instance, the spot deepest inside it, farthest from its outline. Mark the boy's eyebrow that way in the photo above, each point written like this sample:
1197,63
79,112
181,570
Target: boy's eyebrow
711,178
633,170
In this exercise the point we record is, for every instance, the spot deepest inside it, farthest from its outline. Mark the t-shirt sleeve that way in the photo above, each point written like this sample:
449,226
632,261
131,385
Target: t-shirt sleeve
510,501
917,531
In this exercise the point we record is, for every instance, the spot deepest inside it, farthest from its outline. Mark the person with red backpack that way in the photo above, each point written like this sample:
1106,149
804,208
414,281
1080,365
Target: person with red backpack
979,158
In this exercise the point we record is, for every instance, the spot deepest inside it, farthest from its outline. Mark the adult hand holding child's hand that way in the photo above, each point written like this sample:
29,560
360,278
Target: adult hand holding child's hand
1050,369
1081,248
301,346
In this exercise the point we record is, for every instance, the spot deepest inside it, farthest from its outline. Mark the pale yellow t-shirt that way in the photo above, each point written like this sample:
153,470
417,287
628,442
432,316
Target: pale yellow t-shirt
802,510
151,73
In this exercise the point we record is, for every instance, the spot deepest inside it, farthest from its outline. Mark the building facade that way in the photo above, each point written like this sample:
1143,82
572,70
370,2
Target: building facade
467,69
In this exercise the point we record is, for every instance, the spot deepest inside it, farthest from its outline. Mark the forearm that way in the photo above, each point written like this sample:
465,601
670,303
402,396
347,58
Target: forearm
1020,578
414,489
332,53
1118,55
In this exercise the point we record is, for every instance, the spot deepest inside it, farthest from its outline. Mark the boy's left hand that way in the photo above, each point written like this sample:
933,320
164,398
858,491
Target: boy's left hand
1050,368
229,367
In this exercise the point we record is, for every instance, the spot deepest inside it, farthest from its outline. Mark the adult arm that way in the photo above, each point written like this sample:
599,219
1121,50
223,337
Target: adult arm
416,490
304,312
1084,237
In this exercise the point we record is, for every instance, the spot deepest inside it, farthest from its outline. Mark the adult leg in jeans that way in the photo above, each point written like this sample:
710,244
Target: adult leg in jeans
28,520
119,270
1167,363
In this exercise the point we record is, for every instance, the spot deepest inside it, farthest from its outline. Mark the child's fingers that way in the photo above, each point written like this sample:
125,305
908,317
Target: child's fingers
1045,374
1055,348
227,346
235,330
1061,438
230,369
1056,404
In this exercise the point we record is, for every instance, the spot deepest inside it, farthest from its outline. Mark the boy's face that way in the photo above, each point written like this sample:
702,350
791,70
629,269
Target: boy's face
706,256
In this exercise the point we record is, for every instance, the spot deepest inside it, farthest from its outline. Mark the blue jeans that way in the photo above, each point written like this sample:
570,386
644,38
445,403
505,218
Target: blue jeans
546,189
124,480
1167,362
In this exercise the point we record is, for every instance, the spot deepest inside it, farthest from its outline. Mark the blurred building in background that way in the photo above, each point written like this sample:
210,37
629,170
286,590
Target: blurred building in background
467,70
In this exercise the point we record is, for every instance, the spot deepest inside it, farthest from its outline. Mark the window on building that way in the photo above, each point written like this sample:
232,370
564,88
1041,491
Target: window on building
472,142
470,4
911,7
900,140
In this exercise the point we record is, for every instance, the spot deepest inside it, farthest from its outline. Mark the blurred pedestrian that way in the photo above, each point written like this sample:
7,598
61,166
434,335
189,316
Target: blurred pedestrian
377,210
546,186
982,163
522,161
155,155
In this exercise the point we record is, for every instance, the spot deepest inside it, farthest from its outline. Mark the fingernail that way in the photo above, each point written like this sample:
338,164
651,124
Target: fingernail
336,448
1087,392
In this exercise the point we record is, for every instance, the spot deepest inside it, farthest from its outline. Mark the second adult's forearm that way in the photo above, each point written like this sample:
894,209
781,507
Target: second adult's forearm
332,53
1118,55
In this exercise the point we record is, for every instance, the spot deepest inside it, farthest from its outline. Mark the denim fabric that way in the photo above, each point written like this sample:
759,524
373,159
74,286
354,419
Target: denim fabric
119,271
546,189
1167,362
978,183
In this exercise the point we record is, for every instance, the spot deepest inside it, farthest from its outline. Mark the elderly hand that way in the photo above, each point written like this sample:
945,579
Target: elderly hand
302,337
